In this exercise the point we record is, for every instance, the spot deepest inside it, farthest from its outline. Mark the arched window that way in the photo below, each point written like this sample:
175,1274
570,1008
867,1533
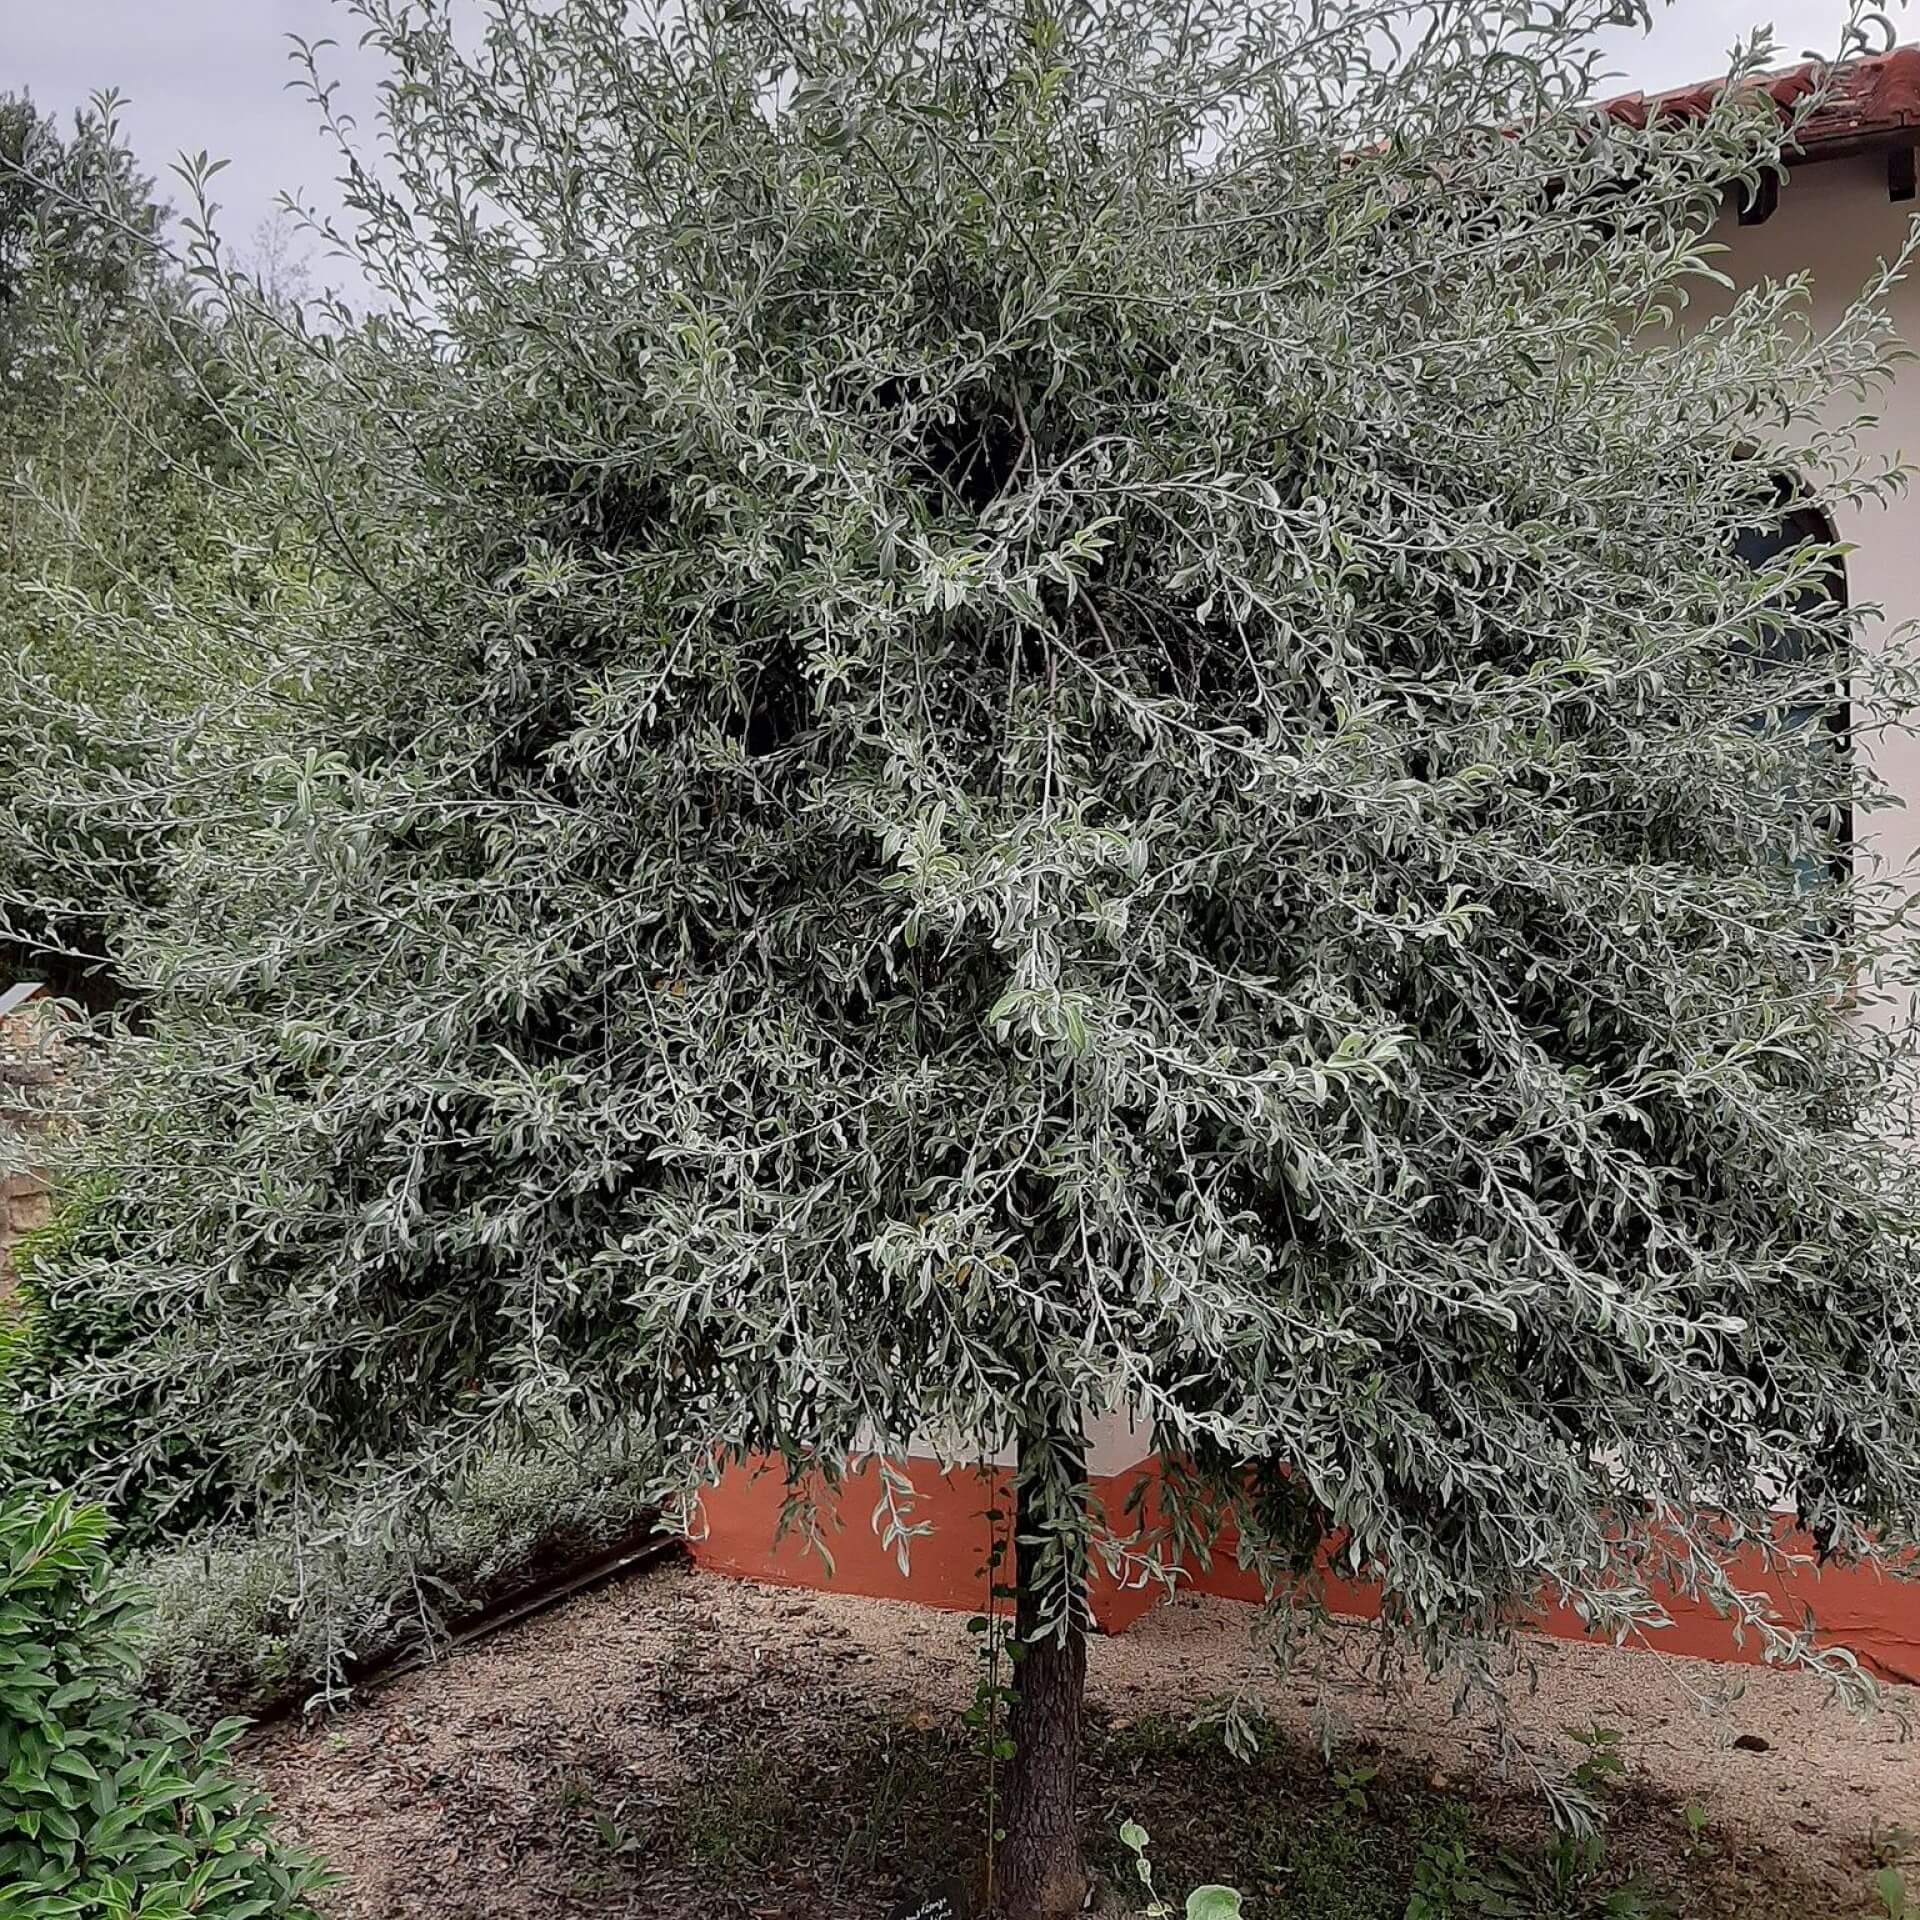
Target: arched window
1820,606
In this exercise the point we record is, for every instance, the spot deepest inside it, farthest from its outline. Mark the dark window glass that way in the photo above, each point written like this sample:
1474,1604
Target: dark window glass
1821,606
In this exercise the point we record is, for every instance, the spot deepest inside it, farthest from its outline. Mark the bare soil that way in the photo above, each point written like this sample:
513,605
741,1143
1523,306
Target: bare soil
683,1745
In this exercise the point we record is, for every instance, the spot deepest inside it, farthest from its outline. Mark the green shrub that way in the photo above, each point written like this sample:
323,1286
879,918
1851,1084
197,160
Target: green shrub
244,1618
125,1448
242,1611
108,1807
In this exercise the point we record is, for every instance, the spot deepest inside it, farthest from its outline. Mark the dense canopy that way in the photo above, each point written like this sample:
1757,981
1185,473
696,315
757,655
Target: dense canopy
1004,710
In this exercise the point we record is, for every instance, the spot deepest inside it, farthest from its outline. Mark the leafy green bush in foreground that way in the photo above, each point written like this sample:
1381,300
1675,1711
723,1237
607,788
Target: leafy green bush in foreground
107,1807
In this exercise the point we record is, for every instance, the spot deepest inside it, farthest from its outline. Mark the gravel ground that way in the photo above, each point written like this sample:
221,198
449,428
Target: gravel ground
684,1745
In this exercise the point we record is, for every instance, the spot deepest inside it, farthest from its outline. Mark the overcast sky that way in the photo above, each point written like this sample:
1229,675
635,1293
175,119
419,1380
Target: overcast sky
211,74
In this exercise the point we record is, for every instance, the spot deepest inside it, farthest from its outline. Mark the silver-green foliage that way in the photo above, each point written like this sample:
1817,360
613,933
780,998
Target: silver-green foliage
1044,706
246,1618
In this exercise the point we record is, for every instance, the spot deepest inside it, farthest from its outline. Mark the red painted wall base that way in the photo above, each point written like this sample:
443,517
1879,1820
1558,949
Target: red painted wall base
948,1567
1862,1608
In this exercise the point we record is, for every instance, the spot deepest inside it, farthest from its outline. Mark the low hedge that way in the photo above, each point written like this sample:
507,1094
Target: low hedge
249,1611
251,1619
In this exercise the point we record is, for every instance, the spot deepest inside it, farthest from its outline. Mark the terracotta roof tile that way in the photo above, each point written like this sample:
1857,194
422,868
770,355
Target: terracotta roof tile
1873,101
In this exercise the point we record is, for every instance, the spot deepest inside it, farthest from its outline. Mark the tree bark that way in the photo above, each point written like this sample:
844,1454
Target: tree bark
1041,1871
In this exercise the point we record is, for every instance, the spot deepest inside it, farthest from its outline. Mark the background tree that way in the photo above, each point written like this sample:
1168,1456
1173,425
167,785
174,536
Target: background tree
79,198
111,451
1031,708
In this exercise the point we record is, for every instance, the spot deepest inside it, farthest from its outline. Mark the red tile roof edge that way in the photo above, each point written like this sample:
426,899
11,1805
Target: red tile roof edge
1874,101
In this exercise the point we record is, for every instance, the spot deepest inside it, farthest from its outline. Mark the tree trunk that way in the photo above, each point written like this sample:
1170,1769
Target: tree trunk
1041,1873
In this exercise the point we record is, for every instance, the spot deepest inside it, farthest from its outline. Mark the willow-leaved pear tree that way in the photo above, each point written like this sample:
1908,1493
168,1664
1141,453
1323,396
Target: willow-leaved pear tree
1038,707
